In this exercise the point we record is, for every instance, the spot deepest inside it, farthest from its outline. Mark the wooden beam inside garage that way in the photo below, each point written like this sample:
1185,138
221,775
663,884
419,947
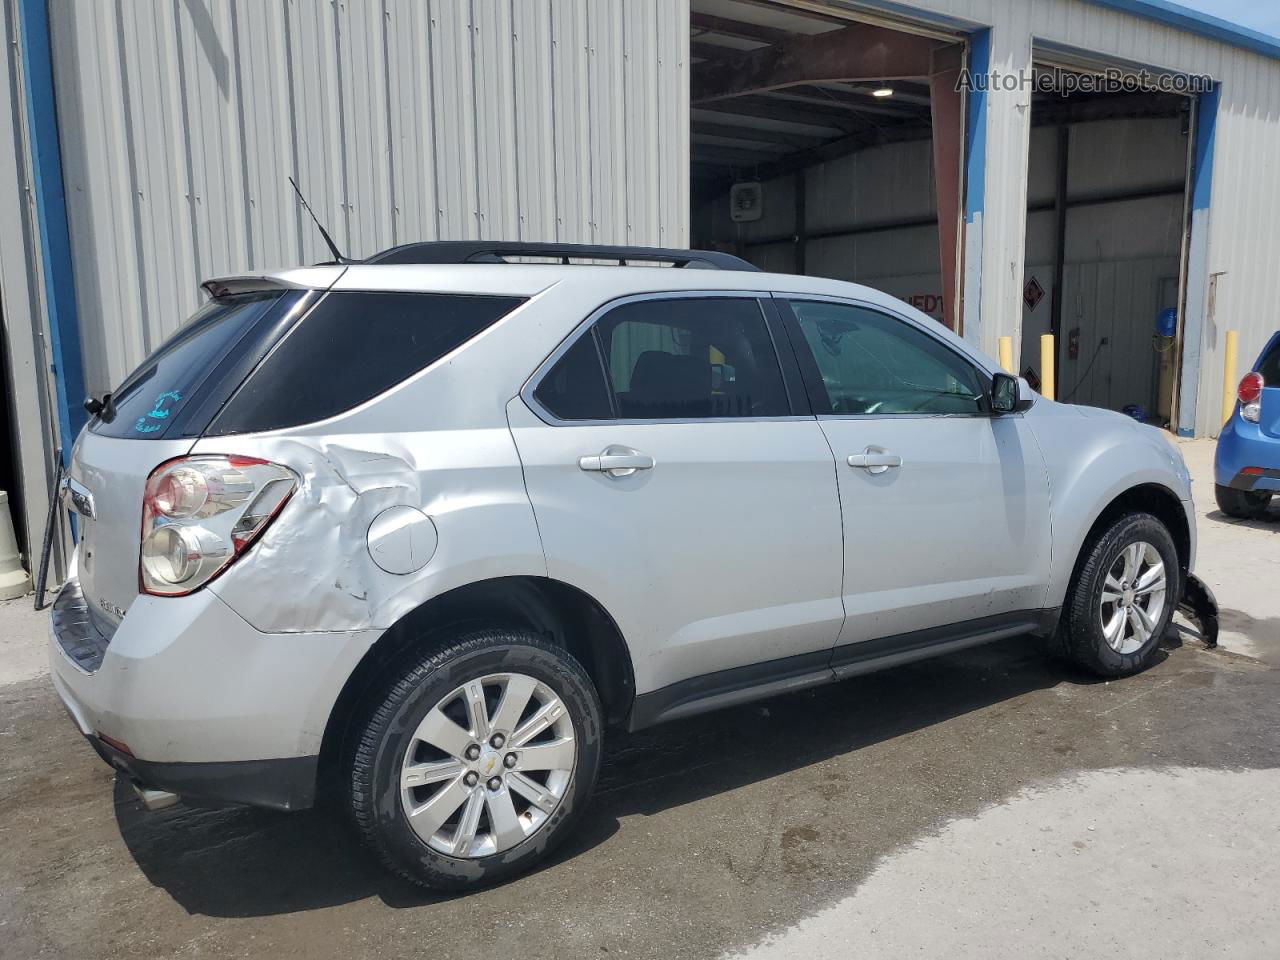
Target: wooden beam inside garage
857,52
738,29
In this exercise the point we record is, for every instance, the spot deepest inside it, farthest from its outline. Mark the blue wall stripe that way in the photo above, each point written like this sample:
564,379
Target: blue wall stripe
977,62
1206,129
1193,21
975,162
51,218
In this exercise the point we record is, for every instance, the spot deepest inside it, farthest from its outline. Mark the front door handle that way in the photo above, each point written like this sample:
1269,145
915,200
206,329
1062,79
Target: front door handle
616,462
874,460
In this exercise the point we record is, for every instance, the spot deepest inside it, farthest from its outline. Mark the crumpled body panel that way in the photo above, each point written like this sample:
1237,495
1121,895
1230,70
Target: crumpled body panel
312,570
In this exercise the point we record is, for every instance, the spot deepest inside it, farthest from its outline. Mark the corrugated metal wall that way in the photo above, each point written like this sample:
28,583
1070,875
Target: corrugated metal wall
1244,245
401,119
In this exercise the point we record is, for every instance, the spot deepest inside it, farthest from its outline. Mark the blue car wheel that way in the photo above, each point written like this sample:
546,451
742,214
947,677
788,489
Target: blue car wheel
1244,504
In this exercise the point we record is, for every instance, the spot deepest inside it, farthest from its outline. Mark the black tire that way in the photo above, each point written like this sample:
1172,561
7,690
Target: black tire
1242,504
415,688
1081,628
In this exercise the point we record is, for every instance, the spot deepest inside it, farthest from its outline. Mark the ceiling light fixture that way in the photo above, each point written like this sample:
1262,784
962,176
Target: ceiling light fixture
882,92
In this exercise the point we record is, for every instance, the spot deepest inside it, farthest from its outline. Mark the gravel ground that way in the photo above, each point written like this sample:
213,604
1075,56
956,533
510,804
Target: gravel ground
987,804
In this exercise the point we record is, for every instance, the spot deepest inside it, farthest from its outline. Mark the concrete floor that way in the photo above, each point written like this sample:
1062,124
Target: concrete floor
988,804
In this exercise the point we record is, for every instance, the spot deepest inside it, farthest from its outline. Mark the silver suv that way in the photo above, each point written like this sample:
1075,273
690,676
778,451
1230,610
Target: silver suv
425,525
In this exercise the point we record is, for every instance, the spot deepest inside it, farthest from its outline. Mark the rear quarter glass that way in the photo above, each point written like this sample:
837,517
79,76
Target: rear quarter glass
352,346
191,372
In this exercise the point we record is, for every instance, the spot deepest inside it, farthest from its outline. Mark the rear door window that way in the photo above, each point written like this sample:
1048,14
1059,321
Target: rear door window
351,347
152,401
691,358
1269,365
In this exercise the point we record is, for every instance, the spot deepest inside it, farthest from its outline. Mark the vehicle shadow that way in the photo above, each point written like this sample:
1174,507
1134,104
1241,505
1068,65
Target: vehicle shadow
237,862
1268,521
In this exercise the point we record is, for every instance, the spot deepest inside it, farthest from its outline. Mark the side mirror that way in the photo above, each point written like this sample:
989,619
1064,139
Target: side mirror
1006,395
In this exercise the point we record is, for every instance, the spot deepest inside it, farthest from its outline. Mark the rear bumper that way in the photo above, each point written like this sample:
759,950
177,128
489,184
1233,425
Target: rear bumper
1268,479
186,697
288,784
1242,444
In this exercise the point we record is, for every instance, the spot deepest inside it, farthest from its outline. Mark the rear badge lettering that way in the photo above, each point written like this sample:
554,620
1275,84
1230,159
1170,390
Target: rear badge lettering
111,608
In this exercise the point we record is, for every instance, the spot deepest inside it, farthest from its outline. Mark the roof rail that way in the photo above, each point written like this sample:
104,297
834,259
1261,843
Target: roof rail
489,251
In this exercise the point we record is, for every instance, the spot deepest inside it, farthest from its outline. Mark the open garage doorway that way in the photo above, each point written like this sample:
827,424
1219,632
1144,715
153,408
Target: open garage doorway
10,475
826,146
1105,244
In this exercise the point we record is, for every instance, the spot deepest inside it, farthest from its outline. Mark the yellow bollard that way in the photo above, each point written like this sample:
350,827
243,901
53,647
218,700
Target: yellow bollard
1006,353
1046,366
1229,375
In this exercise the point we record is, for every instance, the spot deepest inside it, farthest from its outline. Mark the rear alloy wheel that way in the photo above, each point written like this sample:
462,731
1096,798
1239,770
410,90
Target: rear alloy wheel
477,760
476,782
1126,587
1241,504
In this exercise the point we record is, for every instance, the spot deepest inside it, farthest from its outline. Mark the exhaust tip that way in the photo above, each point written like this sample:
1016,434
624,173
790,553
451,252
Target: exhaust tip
155,799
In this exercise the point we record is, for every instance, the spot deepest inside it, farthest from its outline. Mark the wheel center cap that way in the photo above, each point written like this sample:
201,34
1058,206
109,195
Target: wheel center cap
1128,597
489,763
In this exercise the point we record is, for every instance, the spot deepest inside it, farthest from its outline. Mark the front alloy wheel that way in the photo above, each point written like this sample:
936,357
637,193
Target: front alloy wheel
1125,587
1133,597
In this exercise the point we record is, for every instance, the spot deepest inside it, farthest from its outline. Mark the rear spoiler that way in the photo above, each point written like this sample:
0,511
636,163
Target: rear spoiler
303,278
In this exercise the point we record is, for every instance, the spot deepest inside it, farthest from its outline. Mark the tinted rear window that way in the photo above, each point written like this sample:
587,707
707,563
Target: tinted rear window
692,358
154,397
351,347
1269,366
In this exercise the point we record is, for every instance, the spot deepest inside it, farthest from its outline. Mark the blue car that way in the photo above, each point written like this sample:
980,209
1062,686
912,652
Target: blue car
1247,464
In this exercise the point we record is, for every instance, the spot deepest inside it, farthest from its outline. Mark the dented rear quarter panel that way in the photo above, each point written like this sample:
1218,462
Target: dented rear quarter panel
312,570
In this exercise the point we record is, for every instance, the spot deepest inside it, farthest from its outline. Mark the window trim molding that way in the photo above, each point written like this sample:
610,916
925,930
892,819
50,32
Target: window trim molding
762,299
791,323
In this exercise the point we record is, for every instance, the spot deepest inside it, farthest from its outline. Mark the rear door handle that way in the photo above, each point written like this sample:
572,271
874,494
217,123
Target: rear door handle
616,462
873,460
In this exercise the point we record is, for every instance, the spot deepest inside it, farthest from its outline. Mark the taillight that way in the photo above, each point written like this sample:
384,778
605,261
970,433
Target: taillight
1250,396
200,513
